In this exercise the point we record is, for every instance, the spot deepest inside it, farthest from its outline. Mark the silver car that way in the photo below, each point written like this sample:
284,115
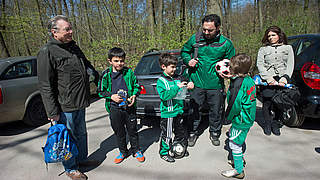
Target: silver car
19,95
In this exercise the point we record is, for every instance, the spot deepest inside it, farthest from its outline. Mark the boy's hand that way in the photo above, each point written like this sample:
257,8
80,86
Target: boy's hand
116,98
131,100
193,62
182,84
190,85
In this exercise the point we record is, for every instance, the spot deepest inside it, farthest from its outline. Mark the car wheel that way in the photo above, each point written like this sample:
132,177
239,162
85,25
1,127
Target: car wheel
35,113
295,120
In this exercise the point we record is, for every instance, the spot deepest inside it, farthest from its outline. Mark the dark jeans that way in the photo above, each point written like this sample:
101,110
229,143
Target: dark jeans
76,124
215,100
123,120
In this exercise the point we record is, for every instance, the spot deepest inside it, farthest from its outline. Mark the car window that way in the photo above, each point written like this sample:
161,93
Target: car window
149,65
305,43
311,53
18,70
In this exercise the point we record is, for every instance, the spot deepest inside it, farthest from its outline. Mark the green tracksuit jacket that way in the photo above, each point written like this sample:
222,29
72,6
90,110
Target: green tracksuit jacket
241,97
167,89
204,74
105,85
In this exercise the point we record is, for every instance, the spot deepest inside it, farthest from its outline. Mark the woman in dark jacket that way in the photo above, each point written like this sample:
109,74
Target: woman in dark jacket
275,63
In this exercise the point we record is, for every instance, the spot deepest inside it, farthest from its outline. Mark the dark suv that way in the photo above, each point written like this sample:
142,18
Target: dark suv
147,72
306,75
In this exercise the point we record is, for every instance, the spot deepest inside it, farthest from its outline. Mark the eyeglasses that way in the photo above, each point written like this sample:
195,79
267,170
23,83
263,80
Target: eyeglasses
209,30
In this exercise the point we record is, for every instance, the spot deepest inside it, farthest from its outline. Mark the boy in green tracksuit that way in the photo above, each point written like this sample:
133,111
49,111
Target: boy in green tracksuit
241,110
118,85
171,107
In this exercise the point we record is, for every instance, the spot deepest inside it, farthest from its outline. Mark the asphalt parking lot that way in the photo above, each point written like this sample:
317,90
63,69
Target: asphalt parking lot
292,156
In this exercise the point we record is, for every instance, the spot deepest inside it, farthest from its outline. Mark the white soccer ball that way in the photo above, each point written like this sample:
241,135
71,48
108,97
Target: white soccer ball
223,67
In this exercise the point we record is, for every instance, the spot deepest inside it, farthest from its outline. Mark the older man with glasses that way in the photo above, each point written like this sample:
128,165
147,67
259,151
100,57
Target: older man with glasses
64,85
201,53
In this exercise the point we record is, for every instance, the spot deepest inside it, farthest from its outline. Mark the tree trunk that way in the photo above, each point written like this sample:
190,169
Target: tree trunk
150,22
59,7
88,21
214,7
182,19
318,16
74,22
66,7
305,12
54,9
39,11
260,15
22,28
3,46
160,16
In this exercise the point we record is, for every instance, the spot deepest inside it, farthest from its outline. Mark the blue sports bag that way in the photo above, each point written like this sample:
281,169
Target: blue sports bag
59,145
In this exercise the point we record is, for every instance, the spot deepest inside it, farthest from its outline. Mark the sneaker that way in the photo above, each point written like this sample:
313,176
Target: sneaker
167,158
215,140
231,162
192,140
139,156
233,173
76,175
119,158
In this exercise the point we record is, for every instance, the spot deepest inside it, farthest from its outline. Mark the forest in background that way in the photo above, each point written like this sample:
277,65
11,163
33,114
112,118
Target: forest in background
140,25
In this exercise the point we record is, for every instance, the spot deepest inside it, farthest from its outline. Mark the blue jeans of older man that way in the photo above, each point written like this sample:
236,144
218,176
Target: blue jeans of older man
76,124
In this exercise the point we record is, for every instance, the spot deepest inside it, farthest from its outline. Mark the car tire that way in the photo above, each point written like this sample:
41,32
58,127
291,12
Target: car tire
295,120
35,114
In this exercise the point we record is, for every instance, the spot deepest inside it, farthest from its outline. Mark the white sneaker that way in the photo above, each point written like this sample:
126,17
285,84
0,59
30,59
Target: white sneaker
233,173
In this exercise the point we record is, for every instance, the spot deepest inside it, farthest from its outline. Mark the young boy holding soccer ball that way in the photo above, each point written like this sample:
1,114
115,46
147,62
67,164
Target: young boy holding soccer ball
241,110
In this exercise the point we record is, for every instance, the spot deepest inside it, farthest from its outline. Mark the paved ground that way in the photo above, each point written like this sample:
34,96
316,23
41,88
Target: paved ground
291,156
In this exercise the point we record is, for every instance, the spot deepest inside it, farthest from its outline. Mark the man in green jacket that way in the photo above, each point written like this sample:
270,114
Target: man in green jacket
209,47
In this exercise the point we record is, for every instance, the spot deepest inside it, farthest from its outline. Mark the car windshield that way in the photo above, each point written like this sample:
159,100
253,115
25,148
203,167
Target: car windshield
149,65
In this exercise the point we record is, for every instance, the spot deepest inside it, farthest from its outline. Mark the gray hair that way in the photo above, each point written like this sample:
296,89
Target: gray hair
52,24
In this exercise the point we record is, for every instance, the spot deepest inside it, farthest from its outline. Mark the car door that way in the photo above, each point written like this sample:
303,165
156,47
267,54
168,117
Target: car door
17,82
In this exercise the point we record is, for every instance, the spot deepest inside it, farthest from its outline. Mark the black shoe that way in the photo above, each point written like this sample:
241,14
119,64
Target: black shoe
215,140
167,158
267,130
192,140
275,129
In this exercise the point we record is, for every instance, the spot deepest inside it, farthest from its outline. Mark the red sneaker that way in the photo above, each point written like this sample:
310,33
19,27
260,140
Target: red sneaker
139,156
119,158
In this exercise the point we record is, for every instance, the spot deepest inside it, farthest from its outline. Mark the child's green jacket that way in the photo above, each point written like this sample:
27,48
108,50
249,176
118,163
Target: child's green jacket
167,89
105,85
241,97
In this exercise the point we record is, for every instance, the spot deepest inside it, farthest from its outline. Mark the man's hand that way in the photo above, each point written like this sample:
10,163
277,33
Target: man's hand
182,84
193,62
131,100
190,85
54,118
116,98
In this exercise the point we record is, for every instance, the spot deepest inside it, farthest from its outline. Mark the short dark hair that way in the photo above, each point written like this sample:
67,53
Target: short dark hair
52,24
212,18
167,59
116,52
240,64
282,36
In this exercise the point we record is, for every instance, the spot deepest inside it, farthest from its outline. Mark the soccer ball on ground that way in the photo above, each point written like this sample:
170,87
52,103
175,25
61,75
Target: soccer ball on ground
223,67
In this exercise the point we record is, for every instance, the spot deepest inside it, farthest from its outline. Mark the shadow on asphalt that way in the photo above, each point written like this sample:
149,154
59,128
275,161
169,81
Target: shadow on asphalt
311,124
147,137
15,128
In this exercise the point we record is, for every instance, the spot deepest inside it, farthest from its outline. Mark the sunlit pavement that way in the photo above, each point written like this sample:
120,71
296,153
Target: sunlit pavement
293,155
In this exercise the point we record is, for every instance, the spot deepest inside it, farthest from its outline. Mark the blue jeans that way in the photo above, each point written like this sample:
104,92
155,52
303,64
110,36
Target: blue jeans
76,124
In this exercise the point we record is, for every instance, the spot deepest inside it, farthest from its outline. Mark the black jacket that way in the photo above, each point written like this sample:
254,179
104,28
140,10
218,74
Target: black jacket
63,78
